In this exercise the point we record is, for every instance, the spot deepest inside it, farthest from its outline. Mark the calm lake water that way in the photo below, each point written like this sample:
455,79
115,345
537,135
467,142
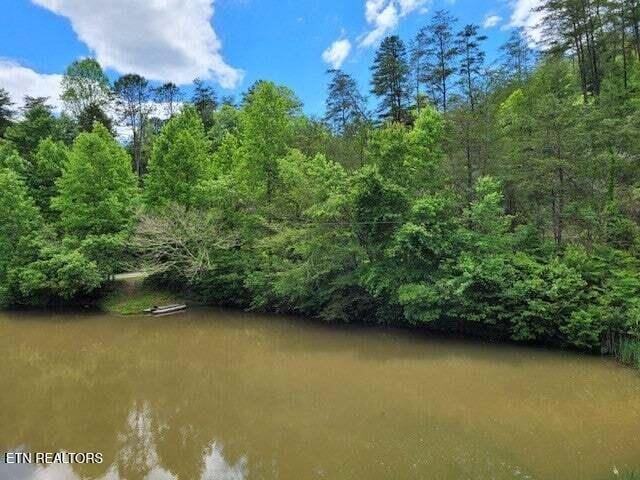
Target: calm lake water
213,394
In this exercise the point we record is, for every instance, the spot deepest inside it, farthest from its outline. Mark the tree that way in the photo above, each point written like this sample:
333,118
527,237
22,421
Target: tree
38,123
466,119
205,101
19,221
85,88
345,105
410,158
132,102
169,95
471,62
179,162
518,56
420,55
543,131
6,112
390,79
441,39
97,192
226,121
267,129
11,159
48,163
90,116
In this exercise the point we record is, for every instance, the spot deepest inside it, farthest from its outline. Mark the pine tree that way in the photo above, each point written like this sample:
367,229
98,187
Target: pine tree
37,124
390,80
345,105
445,53
518,56
132,102
168,94
205,101
471,62
420,55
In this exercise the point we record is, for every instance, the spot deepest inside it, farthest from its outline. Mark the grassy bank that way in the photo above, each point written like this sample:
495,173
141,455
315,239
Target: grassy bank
131,295
629,354
627,475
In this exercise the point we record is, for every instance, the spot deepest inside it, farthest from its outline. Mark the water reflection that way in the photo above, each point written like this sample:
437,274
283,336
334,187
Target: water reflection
137,459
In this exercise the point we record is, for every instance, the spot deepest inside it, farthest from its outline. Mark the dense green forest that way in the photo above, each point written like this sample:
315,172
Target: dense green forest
451,192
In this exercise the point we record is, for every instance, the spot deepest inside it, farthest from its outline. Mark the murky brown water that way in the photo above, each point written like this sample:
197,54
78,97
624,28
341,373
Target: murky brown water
221,395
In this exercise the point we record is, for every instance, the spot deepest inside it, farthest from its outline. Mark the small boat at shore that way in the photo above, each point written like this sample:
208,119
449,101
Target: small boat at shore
166,309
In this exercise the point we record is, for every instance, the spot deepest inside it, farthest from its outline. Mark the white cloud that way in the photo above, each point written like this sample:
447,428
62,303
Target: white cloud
20,81
408,6
166,40
384,16
525,15
337,53
491,21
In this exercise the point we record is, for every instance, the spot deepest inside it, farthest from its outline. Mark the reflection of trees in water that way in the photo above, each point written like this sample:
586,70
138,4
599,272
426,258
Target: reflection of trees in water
138,455
216,467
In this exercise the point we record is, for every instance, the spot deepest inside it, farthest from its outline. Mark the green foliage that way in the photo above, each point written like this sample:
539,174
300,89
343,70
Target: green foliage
19,222
225,121
38,123
11,159
59,274
345,105
6,111
97,192
179,161
390,76
205,102
85,88
48,162
267,130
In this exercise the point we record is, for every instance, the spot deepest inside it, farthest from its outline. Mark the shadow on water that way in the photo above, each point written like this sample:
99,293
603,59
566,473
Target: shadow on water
381,342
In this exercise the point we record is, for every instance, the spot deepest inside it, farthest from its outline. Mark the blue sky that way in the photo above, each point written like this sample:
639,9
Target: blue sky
231,43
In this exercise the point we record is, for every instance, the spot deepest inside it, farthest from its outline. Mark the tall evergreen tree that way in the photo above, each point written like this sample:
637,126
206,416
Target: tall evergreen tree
445,53
206,102
472,57
517,56
132,101
38,123
390,80
169,95
90,116
345,105
577,27
420,56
